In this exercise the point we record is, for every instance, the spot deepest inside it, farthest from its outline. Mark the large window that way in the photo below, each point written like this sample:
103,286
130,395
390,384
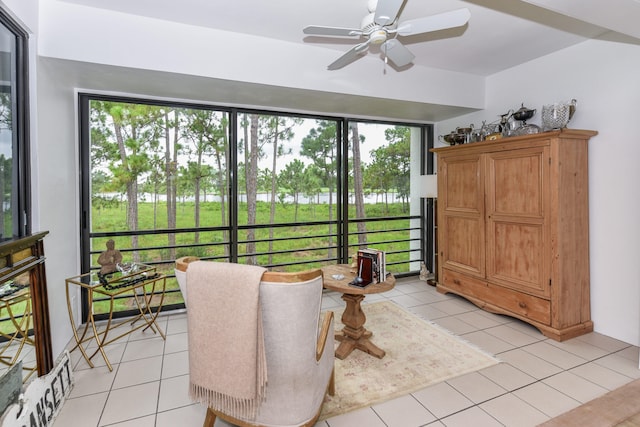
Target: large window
285,191
14,177
381,213
287,183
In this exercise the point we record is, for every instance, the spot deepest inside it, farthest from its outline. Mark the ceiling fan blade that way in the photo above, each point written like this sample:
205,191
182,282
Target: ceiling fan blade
331,31
353,54
397,52
441,21
387,11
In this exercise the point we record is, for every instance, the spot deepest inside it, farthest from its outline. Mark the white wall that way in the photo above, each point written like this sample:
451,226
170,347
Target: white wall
58,193
603,77
24,11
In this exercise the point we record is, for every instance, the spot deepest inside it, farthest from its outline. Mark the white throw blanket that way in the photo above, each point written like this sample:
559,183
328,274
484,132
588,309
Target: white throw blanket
227,364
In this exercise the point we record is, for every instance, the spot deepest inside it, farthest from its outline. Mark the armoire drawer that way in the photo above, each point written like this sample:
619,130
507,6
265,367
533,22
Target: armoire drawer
522,304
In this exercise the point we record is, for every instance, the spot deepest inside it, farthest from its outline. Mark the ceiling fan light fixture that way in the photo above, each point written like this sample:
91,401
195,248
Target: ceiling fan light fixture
378,37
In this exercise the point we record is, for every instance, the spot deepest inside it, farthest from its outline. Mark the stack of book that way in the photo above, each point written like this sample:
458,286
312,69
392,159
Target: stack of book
371,266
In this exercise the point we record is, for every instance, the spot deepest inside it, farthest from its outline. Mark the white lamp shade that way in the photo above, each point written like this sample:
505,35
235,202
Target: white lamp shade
428,186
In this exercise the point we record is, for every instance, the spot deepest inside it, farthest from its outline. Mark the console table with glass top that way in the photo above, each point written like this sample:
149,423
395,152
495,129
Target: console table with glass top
142,285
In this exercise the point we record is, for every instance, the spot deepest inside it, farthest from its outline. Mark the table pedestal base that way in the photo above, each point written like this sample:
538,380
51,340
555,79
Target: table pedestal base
354,335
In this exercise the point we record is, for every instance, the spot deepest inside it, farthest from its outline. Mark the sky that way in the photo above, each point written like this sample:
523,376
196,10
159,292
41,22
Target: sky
5,142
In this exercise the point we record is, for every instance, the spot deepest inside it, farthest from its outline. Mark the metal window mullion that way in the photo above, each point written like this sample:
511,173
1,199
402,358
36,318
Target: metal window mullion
232,170
343,188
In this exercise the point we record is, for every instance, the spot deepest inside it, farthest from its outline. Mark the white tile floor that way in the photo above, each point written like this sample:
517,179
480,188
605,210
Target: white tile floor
537,380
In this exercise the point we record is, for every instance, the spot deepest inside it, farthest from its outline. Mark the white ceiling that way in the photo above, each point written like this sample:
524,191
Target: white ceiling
499,35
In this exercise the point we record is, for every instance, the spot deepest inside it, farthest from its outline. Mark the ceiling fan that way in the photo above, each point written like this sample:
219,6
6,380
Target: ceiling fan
381,28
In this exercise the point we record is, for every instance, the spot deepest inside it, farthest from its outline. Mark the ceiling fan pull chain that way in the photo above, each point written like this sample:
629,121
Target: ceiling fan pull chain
386,59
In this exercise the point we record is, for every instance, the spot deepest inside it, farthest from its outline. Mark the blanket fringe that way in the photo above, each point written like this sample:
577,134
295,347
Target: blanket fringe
240,408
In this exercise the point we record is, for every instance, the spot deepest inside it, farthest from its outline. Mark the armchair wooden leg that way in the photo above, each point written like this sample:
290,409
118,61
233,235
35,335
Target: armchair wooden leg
210,418
332,383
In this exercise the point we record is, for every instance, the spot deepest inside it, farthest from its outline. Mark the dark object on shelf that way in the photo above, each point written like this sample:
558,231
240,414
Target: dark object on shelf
126,282
11,288
523,114
365,272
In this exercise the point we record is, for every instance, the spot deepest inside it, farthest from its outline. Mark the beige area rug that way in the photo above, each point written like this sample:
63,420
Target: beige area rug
418,354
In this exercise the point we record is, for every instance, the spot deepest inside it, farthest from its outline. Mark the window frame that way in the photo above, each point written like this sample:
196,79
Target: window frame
84,99
21,182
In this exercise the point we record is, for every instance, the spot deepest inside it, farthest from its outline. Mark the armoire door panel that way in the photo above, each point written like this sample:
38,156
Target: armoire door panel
463,249
516,181
516,257
463,189
516,211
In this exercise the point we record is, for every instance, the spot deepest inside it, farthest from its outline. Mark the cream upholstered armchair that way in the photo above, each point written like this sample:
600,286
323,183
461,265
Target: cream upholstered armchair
181,273
299,349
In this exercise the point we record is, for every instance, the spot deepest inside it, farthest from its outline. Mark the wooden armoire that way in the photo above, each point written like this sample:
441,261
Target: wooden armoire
513,228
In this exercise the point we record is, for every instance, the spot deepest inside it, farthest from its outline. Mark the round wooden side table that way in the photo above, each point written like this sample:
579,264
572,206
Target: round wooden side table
354,335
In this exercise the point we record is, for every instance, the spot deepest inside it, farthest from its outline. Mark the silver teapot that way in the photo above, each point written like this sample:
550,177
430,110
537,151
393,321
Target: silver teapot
466,132
523,114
